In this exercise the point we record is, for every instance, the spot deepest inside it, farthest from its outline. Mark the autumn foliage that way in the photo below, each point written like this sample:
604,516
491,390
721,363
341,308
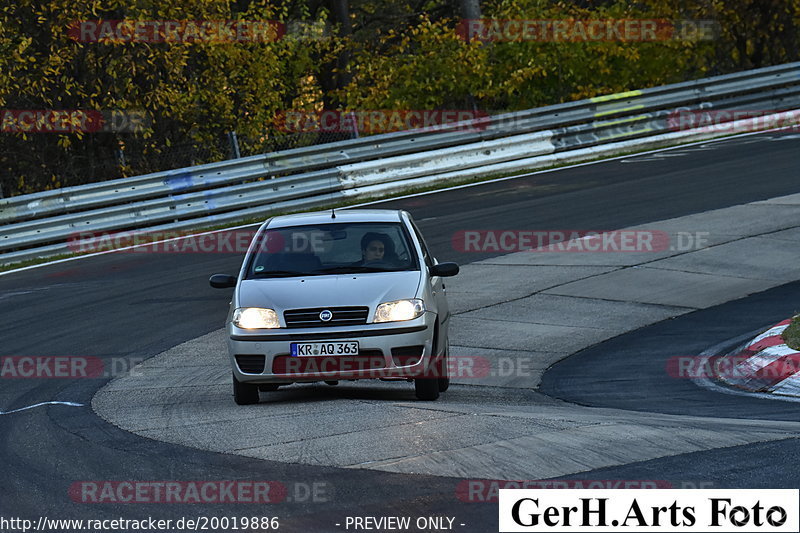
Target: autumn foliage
191,93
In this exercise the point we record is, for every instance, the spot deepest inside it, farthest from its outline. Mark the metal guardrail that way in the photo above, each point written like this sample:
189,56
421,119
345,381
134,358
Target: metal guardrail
39,224
297,160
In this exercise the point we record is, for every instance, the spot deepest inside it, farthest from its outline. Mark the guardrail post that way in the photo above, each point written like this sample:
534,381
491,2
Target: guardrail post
354,132
121,157
234,140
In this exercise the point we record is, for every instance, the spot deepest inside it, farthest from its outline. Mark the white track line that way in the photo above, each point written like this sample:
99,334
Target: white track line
70,404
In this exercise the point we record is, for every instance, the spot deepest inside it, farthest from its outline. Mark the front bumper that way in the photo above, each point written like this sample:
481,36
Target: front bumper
398,350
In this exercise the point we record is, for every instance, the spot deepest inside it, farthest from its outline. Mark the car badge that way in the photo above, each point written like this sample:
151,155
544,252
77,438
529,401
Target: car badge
326,316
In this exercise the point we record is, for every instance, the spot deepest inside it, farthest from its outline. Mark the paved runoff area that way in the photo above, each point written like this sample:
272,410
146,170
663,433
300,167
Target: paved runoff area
514,316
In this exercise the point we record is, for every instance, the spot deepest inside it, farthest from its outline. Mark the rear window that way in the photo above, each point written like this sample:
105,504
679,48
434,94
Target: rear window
339,248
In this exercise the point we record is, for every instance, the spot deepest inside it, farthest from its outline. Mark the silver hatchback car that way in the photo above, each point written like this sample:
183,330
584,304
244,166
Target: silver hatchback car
335,295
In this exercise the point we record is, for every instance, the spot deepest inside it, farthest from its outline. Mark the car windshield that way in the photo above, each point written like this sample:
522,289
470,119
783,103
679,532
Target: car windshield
337,248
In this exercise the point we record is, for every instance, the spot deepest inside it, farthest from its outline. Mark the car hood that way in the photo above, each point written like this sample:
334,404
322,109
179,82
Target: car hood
341,290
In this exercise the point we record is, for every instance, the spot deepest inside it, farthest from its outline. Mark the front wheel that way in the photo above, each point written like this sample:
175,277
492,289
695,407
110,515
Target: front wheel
426,388
244,393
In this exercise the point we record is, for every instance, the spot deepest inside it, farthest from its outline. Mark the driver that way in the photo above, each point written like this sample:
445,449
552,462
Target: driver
374,247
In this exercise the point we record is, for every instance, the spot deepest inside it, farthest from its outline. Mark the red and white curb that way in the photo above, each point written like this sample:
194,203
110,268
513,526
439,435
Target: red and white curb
766,364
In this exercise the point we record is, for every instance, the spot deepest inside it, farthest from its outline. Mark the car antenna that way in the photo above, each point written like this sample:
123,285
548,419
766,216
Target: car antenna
333,213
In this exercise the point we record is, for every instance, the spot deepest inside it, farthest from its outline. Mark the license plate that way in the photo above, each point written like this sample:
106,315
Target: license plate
311,349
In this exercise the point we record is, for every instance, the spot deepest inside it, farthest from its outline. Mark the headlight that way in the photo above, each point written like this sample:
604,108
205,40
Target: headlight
399,310
255,318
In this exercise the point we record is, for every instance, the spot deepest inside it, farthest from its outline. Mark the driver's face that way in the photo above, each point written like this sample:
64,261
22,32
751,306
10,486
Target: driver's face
373,251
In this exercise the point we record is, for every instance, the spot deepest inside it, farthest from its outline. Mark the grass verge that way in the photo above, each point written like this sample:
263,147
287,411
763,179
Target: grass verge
791,335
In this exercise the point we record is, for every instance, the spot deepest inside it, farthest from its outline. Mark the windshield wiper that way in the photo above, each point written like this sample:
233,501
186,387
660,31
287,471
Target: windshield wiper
344,269
280,274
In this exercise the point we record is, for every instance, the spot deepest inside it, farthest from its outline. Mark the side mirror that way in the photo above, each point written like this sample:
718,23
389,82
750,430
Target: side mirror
222,281
444,270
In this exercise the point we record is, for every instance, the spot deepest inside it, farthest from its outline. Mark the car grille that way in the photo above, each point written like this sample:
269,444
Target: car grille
309,318
251,364
365,360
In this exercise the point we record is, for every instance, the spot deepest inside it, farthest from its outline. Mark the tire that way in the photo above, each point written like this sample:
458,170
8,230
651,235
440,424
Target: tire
268,387
244,393
442,370
426,389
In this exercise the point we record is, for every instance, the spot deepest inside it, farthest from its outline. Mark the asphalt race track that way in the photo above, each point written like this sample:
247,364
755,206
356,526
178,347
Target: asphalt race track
602,376
132,306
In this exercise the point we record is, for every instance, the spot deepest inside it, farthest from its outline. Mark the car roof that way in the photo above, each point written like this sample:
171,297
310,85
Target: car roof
342,215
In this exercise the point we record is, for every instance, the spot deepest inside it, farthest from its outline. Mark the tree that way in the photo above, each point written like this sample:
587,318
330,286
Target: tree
193,92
